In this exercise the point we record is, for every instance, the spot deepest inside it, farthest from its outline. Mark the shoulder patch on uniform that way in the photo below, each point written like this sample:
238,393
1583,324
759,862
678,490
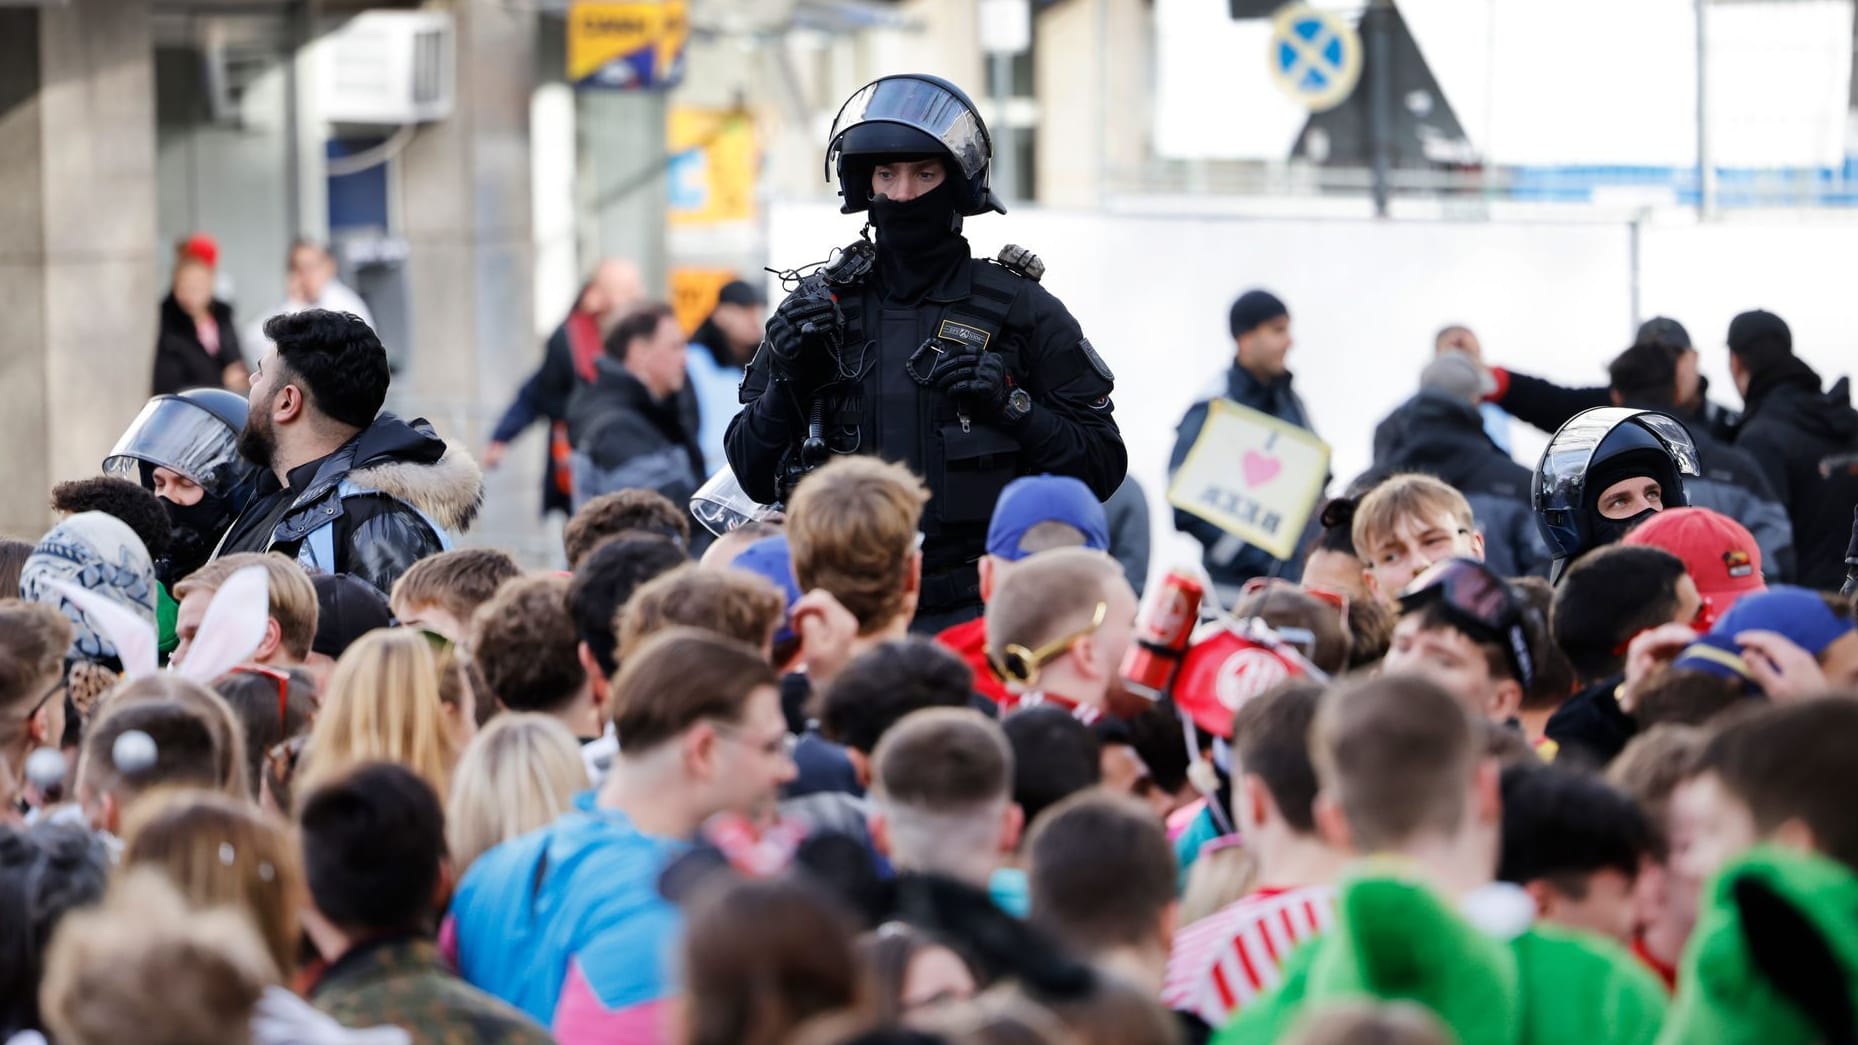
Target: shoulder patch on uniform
1096,361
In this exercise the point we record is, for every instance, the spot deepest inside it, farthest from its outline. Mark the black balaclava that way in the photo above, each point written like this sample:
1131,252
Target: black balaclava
1648,464
918,241
197,529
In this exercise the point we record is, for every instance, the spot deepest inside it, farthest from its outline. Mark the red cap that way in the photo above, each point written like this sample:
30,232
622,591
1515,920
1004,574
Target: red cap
202,246
1718,552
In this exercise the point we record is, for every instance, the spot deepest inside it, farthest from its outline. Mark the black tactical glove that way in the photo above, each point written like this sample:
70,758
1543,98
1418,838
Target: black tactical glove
801,335
976,381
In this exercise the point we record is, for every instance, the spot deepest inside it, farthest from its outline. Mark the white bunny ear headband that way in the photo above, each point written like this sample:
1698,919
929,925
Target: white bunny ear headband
231,631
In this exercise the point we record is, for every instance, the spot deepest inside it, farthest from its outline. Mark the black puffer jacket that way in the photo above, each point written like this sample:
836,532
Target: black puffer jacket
1445,439
1803,439
623,438
1548,406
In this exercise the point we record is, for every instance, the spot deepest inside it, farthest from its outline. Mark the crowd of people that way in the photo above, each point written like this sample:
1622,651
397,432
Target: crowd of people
1500,755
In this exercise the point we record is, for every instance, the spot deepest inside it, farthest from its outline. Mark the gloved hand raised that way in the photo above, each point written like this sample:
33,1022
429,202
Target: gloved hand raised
801,335
976,381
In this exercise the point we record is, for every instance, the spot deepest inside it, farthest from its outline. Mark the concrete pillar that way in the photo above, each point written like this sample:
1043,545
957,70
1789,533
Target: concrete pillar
466,214
78,257
623,192
1091,74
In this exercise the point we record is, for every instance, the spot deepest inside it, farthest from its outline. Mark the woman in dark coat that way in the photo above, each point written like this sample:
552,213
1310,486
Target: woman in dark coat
197,346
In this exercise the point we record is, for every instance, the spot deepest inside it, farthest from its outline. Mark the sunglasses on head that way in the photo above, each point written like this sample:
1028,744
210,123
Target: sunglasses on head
1323,595
282,680
1020,665
1481,604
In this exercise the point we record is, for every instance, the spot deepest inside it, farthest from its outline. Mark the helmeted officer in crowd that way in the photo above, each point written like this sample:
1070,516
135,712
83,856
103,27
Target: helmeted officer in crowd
968,371
1603,473
184,448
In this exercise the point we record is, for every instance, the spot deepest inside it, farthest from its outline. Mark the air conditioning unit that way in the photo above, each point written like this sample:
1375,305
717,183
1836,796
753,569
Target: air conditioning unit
388,67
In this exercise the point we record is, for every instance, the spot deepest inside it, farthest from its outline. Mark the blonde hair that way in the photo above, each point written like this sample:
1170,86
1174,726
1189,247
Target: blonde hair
519,774
1403,497
852,530
291,595
33,640
144,967
222,852
382,704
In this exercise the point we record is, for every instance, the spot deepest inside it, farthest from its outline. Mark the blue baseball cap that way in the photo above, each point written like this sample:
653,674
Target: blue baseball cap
1026,502
1799,614
1717,655
769,558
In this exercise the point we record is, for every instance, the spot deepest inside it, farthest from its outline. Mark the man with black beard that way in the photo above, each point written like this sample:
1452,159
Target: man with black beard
184,448
965,370
342,486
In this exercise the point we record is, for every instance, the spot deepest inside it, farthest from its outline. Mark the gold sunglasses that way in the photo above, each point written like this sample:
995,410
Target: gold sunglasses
1021,665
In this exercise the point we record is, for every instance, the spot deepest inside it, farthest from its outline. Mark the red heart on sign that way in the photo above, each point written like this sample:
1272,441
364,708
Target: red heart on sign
1260,468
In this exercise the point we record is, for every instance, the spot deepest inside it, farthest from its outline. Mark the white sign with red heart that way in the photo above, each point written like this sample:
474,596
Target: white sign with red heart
1252,475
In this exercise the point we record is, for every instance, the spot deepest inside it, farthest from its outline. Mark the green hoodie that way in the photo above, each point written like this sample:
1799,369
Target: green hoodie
1774,958
1514,984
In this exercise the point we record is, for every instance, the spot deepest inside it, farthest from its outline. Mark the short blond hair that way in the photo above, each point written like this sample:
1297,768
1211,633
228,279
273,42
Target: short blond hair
1047,596
382,704
457,581
145,967
852,529
520,773
1400,497
732,603
292,596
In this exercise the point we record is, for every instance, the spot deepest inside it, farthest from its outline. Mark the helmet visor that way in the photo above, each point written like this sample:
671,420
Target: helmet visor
924,106
1562,473
721,505
174,434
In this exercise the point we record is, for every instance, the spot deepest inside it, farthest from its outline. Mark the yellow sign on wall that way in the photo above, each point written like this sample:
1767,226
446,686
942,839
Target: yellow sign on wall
714,160
634,45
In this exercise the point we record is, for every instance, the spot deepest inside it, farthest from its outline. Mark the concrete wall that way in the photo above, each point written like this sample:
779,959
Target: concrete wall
77,234
1366,297
1092,70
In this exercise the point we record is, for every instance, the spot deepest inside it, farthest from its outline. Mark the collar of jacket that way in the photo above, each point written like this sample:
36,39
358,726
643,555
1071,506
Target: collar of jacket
442,481
1791,373
611,375
382,955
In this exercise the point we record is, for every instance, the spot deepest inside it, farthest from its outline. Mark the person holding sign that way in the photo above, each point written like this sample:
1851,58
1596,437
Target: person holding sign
1259,380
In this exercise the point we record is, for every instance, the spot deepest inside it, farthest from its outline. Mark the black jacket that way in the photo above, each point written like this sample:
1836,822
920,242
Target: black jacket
1446,439
181,360
392,495
1230,561
1803,440
623,438
1071,429
544,397
1590,729
1548,406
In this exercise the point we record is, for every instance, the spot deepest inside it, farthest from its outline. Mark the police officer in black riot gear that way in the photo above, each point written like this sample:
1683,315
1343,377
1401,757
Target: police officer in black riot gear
965,370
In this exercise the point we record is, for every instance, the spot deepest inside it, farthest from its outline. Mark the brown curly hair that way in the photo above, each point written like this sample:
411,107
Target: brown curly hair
525,643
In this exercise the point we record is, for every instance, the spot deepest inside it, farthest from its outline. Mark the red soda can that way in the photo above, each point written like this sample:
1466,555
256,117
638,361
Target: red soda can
1162,632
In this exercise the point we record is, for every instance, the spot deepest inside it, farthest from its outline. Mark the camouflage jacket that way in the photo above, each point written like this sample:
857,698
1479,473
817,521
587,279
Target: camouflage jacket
402,981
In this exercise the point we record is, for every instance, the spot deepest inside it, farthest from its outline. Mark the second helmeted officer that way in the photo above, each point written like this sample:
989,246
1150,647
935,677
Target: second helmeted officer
966,370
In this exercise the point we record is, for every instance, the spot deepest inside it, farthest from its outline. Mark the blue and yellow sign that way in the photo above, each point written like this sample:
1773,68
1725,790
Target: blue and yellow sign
1315,56
627,46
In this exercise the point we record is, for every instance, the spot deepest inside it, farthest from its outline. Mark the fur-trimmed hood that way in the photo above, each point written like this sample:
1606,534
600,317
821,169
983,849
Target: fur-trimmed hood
451,489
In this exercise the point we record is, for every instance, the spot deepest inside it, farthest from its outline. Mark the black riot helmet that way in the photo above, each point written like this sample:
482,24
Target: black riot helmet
909,116
195,433
1594,450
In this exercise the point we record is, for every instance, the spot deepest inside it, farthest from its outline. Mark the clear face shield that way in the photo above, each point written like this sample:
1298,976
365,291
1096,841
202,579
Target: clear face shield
923,106
1561,474
721,505
175,434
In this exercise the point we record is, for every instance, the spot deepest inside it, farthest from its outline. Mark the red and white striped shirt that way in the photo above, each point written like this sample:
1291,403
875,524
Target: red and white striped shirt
1222,962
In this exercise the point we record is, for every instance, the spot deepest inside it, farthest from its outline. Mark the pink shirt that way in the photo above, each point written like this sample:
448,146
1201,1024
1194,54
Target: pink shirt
1224,961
